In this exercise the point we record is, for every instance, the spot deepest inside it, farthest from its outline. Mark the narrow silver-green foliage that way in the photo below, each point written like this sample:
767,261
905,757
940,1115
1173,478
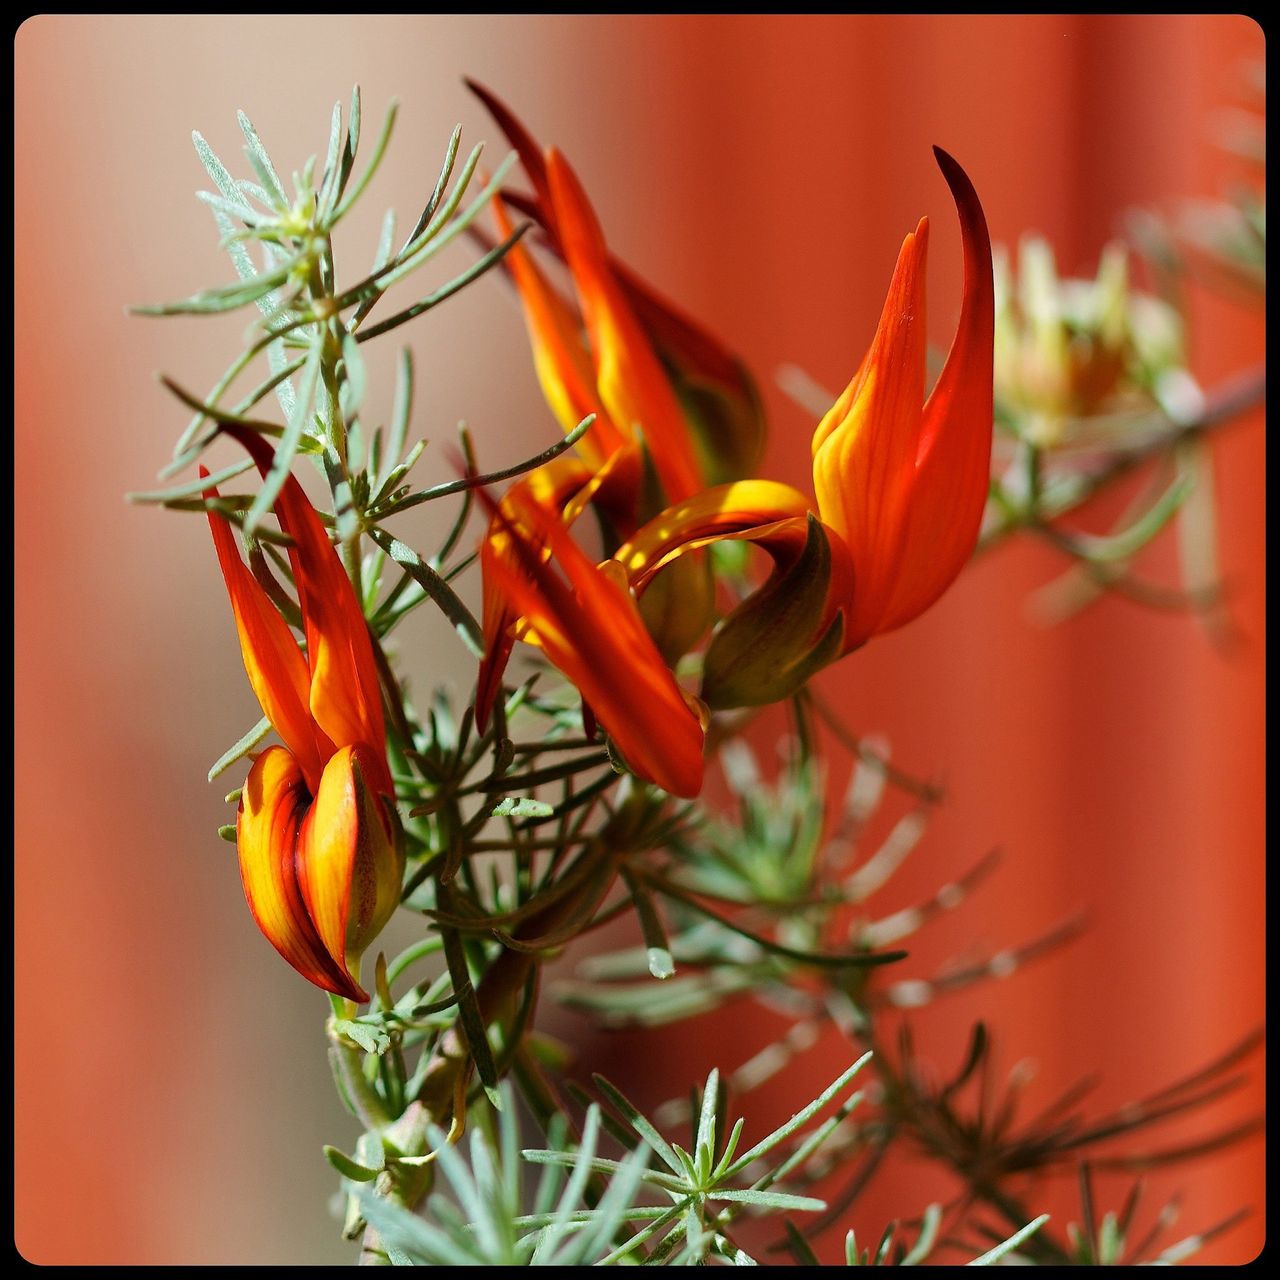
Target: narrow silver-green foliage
1007,1247
700,1184
488,1209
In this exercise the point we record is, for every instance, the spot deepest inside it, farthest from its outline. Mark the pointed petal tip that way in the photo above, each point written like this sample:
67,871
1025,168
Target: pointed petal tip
963,192
950,166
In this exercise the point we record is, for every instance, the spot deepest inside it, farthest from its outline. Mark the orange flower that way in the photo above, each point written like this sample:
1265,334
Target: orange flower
900,485
624,385
316,832
716,393
590,628
904,484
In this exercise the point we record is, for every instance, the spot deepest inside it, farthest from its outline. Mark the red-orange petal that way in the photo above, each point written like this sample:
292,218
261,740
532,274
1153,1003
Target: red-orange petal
273,808
589,627
954,458
276,668
702,362
559,357
630,378
865,460
522,141
549,487
344,698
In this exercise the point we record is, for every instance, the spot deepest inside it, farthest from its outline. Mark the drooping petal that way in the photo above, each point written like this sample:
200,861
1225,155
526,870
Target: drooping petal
349,864
631,381
274,663
273,809
864,464
954,459
344,696
548,488
589,627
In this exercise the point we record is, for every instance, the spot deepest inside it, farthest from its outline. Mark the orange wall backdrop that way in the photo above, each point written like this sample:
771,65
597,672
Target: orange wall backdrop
171,1090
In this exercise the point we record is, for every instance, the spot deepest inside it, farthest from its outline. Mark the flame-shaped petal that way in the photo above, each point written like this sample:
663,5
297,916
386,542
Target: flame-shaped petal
632,383
716,390
276,668
560,360
864,463
953,462
344,695
548,488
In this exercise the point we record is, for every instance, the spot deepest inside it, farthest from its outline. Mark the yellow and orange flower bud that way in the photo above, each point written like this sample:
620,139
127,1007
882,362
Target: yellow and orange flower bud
318,840
590,628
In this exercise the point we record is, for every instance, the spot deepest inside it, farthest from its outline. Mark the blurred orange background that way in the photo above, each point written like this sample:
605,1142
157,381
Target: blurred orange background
171,1088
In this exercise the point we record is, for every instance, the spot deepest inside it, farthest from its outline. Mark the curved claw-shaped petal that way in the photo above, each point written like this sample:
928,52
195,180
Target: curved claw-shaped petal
905,483
273,810
953,463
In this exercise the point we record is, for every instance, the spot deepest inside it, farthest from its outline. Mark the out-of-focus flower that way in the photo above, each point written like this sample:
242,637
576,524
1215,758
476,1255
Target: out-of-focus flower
716,393
317,836
1067,350
589,626
900,484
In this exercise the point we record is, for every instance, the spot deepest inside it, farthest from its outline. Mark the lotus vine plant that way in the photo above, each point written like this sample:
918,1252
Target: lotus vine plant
645,587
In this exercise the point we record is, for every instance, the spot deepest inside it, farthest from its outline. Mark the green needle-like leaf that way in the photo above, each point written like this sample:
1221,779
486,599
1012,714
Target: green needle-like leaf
1006,1247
